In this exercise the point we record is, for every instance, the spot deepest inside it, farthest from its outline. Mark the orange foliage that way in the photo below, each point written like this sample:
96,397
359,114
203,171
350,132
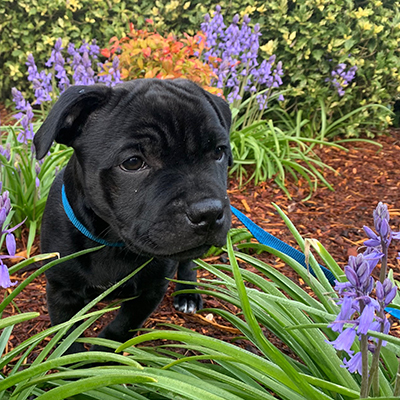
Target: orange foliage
147,54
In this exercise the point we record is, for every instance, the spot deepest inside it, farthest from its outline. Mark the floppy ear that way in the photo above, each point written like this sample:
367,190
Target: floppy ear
220,106
68,116
222,109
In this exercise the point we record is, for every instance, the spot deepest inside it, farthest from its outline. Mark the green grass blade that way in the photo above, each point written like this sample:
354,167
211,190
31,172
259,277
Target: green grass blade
16,319
84,385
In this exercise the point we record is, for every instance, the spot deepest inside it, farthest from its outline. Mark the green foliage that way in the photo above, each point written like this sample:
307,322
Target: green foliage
312,37
31,26
27,180
271,151
201,367
16,379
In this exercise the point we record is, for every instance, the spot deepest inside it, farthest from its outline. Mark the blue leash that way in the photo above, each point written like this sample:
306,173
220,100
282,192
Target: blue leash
269,240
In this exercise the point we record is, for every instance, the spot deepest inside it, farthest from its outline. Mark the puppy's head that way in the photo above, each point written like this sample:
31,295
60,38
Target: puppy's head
153,156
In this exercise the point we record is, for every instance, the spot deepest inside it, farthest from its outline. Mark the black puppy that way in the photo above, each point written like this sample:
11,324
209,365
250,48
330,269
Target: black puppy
148,178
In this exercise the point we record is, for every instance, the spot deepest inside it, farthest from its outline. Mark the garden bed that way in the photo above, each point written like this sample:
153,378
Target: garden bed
365,175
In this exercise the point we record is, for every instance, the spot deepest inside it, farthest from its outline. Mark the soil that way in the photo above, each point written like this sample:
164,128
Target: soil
363,175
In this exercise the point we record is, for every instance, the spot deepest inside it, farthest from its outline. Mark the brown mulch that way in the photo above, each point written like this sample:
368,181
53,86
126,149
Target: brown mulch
364,175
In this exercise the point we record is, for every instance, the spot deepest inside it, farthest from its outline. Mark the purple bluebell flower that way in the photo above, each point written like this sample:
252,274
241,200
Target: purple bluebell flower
27,126
5,208
374,240
383,233
61,73
236,48
354,364
11,244
345,340
19,100
367,316
56,50
385,292
37,171
92,49
355,300
341,77
5,281
381,219
41,81
360,309
5,151
344,316
32,69
58,62
114,74
25,116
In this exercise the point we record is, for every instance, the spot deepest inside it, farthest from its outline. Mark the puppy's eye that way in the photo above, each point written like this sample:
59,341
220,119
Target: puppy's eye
133,164
219,153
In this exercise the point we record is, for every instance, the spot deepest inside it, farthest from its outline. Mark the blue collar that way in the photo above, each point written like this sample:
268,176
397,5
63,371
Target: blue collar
81,228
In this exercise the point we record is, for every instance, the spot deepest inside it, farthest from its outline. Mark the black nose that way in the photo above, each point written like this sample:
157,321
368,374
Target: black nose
206,214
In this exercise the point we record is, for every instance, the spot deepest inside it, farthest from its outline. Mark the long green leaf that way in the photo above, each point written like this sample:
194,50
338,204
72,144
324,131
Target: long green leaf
84,385
16,319
92,356
28,280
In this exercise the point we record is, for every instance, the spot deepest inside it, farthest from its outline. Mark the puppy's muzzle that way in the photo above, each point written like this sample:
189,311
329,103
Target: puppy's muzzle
206,215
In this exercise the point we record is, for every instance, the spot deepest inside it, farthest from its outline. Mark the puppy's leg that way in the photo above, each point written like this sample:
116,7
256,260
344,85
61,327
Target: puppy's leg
62,306
132,315
187,302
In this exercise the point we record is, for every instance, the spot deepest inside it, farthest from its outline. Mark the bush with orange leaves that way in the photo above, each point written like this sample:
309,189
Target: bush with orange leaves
147,54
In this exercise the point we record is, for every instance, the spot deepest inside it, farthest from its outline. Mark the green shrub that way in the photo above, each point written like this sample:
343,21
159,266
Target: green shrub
312,38
31,26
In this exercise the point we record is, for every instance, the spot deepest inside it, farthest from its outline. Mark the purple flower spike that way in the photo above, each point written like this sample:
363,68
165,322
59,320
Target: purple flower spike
381,220
341,78
239,70
357,296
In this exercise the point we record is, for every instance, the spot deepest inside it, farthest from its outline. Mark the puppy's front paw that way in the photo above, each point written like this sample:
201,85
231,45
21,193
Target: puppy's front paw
188,303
